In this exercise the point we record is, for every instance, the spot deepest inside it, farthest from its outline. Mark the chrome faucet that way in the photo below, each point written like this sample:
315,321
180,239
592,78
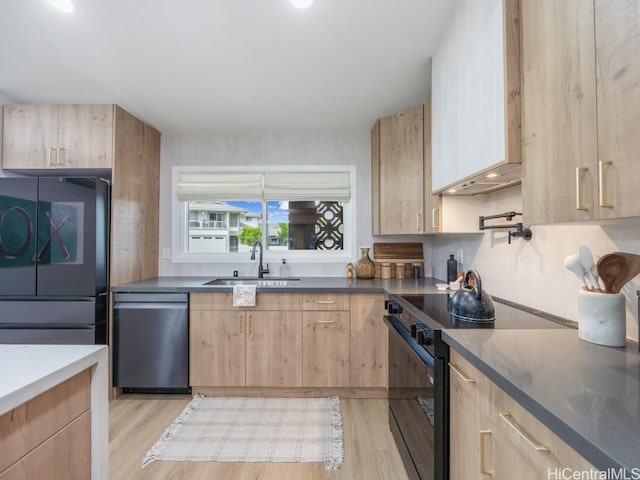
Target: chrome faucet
261,269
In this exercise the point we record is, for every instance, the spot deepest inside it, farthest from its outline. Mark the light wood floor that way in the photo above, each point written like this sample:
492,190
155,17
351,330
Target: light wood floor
137,421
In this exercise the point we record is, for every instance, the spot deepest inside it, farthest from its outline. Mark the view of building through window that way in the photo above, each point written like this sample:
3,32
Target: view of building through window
234,226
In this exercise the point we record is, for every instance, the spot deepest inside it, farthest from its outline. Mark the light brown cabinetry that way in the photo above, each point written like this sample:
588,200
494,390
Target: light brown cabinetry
274,349
468,398
58,136
245,346
50,435
325,340
217,348
369,355
493,436
288,342
581,131
397,166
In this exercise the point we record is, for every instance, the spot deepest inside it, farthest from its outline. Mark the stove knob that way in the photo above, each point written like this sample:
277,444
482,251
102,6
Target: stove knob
414,330
428,338
421,338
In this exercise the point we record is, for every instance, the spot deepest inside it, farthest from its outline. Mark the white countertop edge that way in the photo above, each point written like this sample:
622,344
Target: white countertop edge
71,360
51,375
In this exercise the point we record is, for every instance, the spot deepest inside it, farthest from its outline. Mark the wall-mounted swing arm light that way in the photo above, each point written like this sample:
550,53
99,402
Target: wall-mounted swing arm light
520,230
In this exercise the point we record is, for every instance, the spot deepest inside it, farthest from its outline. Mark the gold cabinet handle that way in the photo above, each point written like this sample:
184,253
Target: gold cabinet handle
507,417
326,302
60,155
579,205
601,191
461,374
49,155
434,219
483,466
419,222
325,321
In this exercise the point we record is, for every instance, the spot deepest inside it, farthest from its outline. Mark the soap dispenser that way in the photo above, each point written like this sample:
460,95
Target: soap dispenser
284,268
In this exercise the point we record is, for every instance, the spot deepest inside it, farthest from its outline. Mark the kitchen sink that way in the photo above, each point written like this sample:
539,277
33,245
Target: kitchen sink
260,282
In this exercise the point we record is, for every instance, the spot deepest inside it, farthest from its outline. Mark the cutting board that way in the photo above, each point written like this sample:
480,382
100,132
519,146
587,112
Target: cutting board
392,251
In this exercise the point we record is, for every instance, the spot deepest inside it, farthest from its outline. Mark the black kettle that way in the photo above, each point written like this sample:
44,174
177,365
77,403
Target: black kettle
470,303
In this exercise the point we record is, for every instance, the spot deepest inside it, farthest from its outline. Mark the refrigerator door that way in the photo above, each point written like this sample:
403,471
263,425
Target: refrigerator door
72,236
18,223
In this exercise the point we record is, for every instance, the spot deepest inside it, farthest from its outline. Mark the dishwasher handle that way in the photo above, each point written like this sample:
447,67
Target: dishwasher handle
150,306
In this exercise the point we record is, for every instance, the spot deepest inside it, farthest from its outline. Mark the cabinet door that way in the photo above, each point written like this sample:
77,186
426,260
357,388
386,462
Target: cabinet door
217,348
559,112
617,40
325,347
64,456
274,349
30,136
85,136
467,404
369,358
401,169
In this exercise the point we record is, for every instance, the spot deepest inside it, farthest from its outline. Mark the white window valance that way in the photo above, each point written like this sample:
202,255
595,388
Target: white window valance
291,186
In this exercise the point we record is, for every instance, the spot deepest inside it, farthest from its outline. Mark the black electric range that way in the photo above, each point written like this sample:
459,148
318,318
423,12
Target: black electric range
419,377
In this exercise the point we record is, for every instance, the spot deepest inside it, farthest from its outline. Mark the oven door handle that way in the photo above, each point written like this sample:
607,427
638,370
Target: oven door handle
408,341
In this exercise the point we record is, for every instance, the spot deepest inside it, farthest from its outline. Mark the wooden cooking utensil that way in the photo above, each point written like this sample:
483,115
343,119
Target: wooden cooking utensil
616,269
610,268
630,269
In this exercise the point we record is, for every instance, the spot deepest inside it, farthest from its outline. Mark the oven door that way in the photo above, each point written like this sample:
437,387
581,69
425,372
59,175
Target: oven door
412,396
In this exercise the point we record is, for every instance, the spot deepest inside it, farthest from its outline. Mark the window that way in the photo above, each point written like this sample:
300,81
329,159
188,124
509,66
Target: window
222,213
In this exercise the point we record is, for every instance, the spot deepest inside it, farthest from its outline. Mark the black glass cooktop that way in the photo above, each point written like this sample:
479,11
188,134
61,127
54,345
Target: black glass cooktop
433,310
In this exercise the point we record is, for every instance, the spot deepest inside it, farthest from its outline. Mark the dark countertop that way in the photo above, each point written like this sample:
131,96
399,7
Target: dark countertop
589,395
305,284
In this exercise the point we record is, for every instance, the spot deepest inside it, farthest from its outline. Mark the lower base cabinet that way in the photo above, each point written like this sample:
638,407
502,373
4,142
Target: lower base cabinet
49,437
493,436
325,343
274,349
288,341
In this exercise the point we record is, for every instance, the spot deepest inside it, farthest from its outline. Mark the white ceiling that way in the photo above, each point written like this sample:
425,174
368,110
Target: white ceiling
197,66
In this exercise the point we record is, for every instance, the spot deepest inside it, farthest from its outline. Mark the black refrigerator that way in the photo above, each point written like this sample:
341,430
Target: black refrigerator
54,237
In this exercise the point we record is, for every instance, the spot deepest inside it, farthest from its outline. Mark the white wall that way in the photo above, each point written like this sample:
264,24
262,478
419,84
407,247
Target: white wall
266,149
532,272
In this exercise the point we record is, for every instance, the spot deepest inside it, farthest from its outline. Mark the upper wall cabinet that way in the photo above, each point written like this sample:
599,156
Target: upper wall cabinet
476,99
581,127
58,136
397,171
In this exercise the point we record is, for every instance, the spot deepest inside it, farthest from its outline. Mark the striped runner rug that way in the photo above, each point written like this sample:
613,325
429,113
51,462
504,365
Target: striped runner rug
241,429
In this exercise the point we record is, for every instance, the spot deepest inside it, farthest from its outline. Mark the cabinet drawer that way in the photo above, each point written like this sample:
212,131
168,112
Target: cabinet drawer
325,301
523,430
264,301
31,423
65,456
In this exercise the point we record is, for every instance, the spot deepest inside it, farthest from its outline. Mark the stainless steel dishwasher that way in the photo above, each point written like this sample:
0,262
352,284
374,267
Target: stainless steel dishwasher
151,342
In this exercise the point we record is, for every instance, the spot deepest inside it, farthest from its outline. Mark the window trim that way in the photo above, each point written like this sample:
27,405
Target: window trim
179,217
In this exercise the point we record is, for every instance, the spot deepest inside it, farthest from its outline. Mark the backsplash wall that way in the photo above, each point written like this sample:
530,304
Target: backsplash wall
266,149
532,272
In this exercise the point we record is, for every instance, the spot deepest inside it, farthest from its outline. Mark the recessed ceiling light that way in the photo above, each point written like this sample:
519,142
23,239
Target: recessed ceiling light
492,175
452,190
65,6
302,3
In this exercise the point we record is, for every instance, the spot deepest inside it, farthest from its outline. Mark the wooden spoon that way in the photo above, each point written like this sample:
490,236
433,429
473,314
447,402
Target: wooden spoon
610,268
630,269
